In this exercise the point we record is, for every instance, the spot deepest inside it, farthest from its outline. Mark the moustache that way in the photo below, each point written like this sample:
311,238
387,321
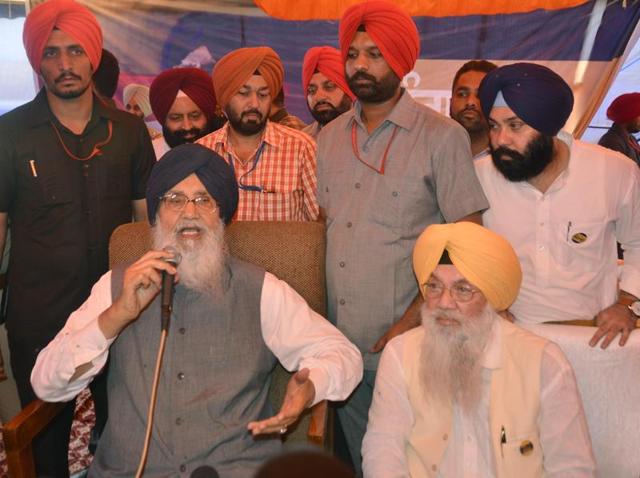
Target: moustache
183,133
66,76
253,111
324,103
361,75
503,152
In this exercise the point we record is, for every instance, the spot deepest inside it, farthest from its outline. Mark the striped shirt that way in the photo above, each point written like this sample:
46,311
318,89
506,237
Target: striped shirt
284,176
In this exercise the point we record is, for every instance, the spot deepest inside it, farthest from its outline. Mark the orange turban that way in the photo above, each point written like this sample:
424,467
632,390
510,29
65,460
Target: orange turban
484,258
72,18
193,82
235,68
326,60
391,29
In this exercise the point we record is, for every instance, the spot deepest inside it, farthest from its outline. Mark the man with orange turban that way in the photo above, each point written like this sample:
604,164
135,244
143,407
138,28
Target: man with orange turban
469,393
328,95
387,169
624,111
71,170
183,101
275,166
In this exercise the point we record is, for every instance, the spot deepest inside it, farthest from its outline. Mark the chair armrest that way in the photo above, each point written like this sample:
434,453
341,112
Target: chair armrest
18,435
319,431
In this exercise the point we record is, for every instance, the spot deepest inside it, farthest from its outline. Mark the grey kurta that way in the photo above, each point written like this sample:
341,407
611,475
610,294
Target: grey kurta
373,220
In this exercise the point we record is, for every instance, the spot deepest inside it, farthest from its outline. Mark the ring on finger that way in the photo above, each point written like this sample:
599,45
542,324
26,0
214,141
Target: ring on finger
283,430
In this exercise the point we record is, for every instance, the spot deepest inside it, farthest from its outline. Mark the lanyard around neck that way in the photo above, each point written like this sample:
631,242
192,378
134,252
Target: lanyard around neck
96,148
356,152
241,185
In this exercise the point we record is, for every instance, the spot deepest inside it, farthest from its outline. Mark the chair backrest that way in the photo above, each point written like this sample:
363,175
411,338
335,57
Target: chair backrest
292,251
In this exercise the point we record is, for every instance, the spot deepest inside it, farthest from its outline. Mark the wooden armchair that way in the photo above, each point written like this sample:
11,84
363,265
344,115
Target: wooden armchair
293,251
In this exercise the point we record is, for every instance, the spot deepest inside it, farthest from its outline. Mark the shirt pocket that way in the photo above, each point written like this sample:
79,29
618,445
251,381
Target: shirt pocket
522,456
398,202
47,179
281,206
579,245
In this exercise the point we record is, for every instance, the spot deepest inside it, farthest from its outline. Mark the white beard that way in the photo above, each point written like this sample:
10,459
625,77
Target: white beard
203,264
451,357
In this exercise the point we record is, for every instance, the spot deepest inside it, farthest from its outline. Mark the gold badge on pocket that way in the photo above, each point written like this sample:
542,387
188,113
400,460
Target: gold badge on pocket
526,448
579,237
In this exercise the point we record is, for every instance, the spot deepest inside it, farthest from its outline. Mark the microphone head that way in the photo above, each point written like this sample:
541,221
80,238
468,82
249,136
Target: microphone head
177,257
205,471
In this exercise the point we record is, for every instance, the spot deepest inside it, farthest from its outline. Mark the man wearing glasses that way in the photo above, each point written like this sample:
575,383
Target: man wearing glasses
469,393
231,322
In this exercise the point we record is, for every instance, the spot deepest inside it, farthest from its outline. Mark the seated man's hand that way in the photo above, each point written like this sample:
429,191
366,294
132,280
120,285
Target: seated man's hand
300,394
614,320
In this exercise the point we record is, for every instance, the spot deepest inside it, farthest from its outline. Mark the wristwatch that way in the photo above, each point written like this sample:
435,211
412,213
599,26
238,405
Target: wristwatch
634,307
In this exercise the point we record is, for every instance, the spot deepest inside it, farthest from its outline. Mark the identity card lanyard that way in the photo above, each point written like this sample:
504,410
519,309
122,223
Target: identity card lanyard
354,145
249,187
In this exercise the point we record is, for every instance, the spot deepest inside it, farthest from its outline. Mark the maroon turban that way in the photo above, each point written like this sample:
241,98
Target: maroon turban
68,16
326,60
391,29
193,82
235,68
624,108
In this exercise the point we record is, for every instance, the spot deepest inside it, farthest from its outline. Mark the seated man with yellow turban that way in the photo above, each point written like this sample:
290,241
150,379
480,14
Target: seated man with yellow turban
275,165
469,393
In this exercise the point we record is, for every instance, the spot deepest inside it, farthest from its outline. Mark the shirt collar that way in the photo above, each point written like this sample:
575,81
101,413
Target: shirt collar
270,136
401,115
41,112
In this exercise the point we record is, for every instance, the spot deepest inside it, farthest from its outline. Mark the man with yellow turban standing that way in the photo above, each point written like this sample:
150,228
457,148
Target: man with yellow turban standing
323,81
386,169
275,166
71,171
469,393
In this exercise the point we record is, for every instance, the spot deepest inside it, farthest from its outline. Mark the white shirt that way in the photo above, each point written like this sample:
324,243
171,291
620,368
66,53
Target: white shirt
566,238
296,335
160,146
564,435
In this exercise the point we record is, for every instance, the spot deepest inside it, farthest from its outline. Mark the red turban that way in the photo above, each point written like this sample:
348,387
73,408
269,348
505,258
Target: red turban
235,68
72,18
326,60
391,29
193,82
624,108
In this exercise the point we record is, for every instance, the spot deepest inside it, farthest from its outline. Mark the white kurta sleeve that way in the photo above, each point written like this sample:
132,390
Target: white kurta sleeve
628,234
300,338
79,343
564,434
390,419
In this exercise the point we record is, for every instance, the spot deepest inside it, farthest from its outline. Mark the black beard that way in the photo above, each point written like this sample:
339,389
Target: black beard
377,91
474,126
178,137
521,167
325,116
246,127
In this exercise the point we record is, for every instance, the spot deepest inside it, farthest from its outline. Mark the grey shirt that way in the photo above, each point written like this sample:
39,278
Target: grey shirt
373,220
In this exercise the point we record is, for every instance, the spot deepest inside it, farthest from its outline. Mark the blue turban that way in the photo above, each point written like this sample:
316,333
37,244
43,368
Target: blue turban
540,97
182,161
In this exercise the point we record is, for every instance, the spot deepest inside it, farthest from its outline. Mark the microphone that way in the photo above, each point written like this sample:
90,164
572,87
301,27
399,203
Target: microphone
166,302
205,471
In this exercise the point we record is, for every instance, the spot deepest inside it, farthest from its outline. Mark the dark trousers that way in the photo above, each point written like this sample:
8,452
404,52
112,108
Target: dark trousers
51,447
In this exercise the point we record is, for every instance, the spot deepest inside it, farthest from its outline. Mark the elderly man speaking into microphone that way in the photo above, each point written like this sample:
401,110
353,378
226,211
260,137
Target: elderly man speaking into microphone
231,322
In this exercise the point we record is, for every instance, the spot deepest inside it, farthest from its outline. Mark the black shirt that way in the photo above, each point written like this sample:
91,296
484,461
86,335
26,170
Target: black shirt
62,210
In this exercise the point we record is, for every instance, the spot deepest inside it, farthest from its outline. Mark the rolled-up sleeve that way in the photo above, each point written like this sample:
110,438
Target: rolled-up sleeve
80,343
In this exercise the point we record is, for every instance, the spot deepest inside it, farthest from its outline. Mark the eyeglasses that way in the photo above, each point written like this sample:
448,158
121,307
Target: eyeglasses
460,292
178,201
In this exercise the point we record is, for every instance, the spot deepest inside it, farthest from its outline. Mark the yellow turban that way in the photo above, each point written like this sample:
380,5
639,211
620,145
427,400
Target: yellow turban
140,93
235,68
484,258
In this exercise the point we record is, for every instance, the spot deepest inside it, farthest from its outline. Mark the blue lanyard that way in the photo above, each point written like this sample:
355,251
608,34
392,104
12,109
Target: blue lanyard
241,185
